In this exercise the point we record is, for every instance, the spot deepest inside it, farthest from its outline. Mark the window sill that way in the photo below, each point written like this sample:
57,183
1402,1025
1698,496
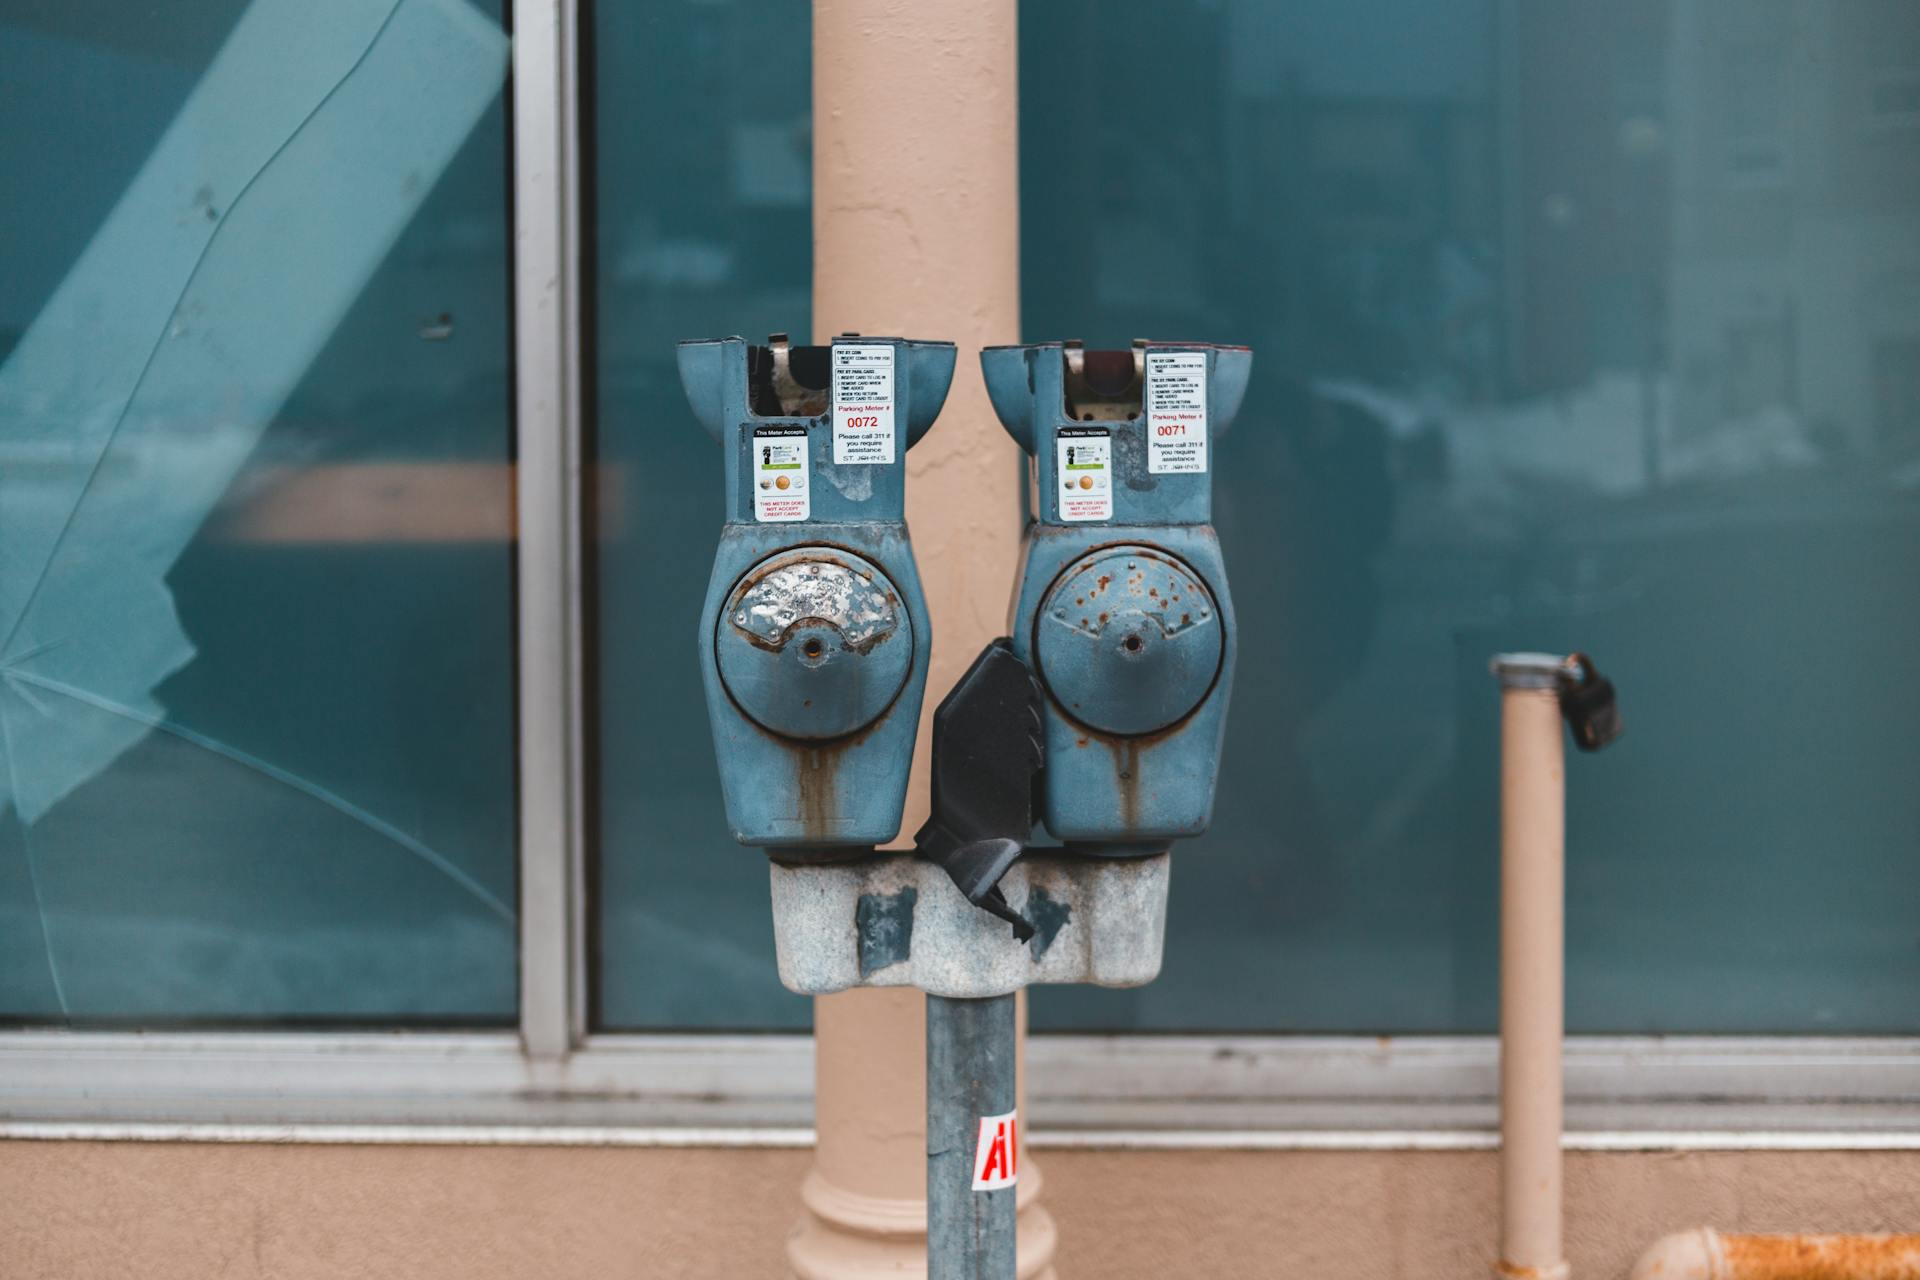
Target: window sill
1114,1092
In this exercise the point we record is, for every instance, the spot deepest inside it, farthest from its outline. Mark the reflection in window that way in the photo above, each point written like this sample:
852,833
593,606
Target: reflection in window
702,146
1576,326
255,682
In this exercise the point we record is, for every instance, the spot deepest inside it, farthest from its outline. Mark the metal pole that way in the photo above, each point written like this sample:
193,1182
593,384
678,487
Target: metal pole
1532,947
970,1096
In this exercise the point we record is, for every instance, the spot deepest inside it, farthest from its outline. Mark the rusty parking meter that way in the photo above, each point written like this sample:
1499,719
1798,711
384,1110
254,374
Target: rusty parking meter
814,636
1122,607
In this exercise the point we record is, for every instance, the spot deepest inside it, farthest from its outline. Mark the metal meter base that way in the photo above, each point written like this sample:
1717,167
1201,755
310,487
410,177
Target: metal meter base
895,920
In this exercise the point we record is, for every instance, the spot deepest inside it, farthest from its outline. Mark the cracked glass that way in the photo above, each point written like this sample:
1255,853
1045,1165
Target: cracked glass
256,677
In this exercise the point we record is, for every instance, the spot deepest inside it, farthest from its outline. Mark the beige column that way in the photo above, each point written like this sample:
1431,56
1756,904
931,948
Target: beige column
915,234
1532,948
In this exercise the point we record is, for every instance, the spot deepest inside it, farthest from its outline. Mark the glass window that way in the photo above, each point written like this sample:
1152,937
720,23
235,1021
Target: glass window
1576,326
256,622
700,136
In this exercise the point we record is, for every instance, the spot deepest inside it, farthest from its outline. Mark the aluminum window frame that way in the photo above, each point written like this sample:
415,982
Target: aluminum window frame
554,1082
549,578
1126,1091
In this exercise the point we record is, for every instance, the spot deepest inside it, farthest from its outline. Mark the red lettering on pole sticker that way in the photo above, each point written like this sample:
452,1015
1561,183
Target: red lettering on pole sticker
996,1155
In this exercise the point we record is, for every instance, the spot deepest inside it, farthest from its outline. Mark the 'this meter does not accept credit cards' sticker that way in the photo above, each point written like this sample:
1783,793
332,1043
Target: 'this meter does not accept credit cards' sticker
780,474
1085,471
862,404
1176,411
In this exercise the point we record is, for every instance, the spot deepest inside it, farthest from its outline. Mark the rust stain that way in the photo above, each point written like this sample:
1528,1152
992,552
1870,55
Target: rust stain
1130,785
1126,777
1128,752
1519,1272
1103,619
816,769
1807,1257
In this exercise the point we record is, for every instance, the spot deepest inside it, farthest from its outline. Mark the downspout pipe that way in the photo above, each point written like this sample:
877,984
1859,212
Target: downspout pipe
1532,949
1705,1254
1532,1029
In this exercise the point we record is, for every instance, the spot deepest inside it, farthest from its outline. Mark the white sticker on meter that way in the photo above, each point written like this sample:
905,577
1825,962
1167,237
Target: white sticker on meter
1085,473
862,404
780,474
1176,411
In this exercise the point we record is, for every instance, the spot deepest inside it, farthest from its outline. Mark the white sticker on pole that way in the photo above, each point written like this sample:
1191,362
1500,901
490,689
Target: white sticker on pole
1085,473
996,1156
780,474
862,404
1176,412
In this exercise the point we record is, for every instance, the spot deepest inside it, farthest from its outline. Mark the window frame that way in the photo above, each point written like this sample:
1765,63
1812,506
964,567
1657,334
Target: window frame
554,1082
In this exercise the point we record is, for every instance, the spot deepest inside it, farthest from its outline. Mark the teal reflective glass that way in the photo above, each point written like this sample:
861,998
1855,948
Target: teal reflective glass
1576,325
256,670
701,150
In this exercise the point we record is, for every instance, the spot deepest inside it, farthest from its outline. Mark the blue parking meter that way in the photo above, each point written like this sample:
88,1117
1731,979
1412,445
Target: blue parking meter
814,636
1121,608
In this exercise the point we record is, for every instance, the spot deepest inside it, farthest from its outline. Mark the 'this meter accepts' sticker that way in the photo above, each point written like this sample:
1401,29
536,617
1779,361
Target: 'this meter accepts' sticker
1176,411
780,474
1085,473
862,404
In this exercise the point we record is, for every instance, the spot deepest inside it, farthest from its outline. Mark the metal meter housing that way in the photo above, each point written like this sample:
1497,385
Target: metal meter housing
1121,606
814,638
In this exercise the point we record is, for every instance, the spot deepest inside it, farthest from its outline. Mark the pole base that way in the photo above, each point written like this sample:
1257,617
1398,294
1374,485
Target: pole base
1514,1271
845,1236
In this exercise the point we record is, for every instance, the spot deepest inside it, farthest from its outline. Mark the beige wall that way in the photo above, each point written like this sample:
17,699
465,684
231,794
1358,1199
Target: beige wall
198,1211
